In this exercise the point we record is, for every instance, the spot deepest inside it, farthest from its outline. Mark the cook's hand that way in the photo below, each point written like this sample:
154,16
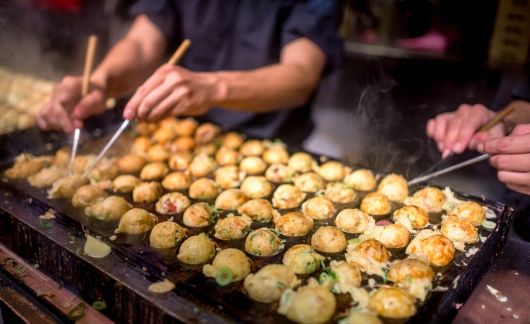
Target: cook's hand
456,131
511,157
174,91
66,109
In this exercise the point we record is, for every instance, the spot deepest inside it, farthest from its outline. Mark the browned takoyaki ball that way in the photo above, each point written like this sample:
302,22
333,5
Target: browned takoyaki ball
203,189
206,133
252,148
131,163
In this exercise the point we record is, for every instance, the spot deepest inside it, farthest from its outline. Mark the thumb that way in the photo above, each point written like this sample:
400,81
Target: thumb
522,129
90,104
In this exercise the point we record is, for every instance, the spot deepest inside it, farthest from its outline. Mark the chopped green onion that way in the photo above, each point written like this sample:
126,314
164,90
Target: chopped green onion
99,305
354,240
21,269
224,276
77,312
46,224
487,224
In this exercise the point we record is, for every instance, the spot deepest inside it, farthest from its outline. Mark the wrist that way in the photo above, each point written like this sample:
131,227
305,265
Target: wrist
99,82
220,89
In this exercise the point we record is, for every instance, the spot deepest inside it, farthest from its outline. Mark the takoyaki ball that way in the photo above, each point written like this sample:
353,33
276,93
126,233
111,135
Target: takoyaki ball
87,195
183,144
62,157
82,162
252,165
145,129
332,171
360,317
169,123
430,198
263,242
26,120
343,276
47,176
203,189
394,186
228,177
312,304
163,135
136,221
278,173
287,196
302,259
125,183
172,203
361,179
109,209
206,133
354,221
226,156
268,284
294,224
256,187
180,161
471,211
230,199
276,154
26,165
176,181
392,303
260,210
197,249
329,239
309,182
232,227
459,230
186,127
412,217
232,140
154,171
202,165
107,169
413,275
376,204
197,215
140,146
67,186
147,192
339,193
370,255
438,249
131,163
208,149
252,148
318,208
229,265
392,236
301,162
166,235
158,153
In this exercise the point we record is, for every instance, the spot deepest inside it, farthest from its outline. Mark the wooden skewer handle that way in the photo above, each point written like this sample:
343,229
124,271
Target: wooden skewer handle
179,53
497,118
89,60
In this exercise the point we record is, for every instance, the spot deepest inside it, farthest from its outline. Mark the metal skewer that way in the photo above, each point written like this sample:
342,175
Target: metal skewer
75,144
448,169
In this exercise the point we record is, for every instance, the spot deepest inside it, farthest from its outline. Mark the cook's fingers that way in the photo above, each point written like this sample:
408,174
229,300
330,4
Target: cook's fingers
453,128
89,105
522,129
466,132
511,162
522,189
513,144
168,105
131,109
514,178
440,129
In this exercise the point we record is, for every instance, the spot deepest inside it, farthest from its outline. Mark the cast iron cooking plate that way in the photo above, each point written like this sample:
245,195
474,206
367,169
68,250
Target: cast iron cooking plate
460,277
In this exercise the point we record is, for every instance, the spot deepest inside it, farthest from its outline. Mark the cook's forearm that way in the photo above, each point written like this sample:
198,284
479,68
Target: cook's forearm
521,115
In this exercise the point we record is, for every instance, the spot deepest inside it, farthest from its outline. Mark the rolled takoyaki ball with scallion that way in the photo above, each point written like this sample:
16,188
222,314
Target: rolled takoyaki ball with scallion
309,182
109,209
256,187
354,221
145,129
186,127
154,171
392,303
182,144
341,276
412,217
61,158
146,192
438,249
431,199
169,123
252,148
83,162
232,140
140,146
203,189
197,249
125,183
229,176
376,204
471,211
361,179
87,195
301,162
302,259
260,210
392,236
332,171
263,242
202,165
172,203
318,208
370,255
198,215
165,235
208,149
163,135
229,265
329,239
226,156
67,186
176,181
131,163
47,176
413,275
459,231
136,221
268,284
180,161
232,227
206,133
252,165
356,316
394,186
105,170
276,154
310,304
339,193
230,199
293,224
279,173
287,196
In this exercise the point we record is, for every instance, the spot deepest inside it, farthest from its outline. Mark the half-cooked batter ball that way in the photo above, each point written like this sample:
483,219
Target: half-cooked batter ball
197,249
165,235
268,284
361,179
302,259
263,242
